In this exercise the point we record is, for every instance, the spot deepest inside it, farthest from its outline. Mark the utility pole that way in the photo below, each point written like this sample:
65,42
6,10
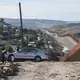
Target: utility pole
21,24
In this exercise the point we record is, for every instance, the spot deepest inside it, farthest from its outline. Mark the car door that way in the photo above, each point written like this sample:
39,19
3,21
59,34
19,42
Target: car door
21,54
31,53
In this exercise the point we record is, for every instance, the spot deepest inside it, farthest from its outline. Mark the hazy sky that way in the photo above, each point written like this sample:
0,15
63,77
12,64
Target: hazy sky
68,10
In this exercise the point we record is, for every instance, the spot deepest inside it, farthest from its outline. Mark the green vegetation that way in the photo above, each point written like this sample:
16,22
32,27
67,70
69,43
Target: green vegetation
40,44
8,48
1,25
56,45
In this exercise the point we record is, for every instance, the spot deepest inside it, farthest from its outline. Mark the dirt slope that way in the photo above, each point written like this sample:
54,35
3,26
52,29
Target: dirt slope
48,71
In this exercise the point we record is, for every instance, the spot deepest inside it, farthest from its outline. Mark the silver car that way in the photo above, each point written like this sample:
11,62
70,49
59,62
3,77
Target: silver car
35,54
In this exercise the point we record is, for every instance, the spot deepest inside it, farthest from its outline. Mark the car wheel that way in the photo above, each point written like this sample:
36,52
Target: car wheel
11,58
37,59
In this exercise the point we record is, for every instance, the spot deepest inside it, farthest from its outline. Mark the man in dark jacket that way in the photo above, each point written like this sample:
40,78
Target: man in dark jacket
3,55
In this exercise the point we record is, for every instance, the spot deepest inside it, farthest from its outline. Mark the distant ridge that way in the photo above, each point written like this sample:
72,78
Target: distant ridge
68,25
34,23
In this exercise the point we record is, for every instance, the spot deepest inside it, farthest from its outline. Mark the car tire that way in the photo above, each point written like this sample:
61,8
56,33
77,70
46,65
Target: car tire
37,58
11,58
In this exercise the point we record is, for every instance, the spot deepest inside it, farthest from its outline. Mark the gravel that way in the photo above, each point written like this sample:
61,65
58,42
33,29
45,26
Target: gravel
48,71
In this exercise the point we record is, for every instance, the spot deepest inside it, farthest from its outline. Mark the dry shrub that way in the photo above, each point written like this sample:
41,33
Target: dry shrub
54,55
9,69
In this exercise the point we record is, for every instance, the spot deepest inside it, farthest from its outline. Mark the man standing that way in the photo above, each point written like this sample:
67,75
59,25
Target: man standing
3,55
18,48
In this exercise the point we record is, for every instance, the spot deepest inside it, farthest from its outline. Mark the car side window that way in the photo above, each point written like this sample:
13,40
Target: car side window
23,50
32,50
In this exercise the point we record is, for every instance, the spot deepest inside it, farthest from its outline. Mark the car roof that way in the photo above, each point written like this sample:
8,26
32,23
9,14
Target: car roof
30,48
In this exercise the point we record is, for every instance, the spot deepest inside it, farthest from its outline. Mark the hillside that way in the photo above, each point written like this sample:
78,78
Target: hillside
35,23
68,25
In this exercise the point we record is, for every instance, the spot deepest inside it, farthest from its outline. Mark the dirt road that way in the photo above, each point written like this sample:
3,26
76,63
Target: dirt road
65,41
48,71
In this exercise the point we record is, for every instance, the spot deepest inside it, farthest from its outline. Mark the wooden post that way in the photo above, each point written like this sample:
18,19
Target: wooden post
21,24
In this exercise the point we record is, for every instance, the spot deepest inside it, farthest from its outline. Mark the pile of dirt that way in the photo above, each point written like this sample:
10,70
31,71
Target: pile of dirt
8,69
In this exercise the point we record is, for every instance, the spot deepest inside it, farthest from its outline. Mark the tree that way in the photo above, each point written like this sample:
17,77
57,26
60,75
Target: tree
40,44
8,48
1,28
2,20
1,25
5,34
56,45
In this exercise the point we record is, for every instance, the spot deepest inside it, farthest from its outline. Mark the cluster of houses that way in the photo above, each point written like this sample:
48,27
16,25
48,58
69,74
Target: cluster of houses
9,32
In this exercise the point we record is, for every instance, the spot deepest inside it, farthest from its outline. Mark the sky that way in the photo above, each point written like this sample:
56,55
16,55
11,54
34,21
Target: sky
67,10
